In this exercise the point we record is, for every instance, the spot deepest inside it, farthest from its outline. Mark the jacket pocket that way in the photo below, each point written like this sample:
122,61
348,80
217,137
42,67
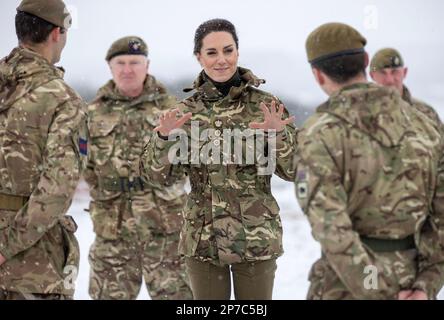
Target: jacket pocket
102,134
263,228
171,213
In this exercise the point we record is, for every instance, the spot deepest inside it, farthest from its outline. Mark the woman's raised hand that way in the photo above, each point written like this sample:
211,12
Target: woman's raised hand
169,122
272,118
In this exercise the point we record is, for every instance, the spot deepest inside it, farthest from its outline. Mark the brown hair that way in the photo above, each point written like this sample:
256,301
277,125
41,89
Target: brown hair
214,25
343,68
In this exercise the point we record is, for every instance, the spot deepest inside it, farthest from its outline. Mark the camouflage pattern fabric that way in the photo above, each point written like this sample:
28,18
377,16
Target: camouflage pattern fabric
421,106
119,127
370,165
13,296
40,126
230,215
117,268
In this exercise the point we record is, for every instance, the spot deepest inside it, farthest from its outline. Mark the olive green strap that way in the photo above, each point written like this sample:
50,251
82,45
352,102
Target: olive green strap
388,245
122,184
11,202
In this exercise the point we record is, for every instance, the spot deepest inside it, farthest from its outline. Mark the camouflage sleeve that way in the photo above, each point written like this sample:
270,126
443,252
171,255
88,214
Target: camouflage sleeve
286,142
89,175
324,200
88,165
285,147
156,167
58,180
430,278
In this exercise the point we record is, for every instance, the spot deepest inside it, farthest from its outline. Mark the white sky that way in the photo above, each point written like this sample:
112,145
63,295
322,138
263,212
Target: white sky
272,37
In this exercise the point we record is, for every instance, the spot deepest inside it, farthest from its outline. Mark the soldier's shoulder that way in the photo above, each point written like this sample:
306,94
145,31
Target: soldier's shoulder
318,123
167,101
96,104
258,95
193,103
426,109
60,90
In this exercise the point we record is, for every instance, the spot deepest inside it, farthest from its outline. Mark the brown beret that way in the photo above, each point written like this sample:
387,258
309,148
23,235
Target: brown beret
332,40
53,11
128,45
386,58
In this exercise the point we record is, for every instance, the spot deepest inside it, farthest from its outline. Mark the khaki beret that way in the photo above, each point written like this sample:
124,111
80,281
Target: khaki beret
333,40
128,45
386,58
53,11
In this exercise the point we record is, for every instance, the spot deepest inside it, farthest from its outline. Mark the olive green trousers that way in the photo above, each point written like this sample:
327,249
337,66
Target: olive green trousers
251,280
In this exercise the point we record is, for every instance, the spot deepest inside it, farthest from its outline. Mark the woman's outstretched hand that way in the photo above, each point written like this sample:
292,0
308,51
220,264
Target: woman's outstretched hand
272,118
169,122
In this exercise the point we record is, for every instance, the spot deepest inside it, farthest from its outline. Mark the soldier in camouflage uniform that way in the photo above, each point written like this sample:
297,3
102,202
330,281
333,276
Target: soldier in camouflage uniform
370,178
40,159
137,226
387,69
231,218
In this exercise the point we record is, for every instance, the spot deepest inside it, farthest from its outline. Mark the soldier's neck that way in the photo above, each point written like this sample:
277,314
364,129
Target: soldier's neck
334,87
131,93
42,50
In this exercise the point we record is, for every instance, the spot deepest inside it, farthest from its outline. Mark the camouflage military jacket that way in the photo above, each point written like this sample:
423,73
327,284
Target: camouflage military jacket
421,106
119,127
40,121
231,215
370,165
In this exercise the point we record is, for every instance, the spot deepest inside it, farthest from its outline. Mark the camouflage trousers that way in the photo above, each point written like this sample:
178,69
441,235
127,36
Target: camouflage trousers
9,295
325,284
118,266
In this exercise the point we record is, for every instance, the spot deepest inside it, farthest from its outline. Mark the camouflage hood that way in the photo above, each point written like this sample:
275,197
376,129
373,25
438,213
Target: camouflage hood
21,72
372,109
208,91
153,90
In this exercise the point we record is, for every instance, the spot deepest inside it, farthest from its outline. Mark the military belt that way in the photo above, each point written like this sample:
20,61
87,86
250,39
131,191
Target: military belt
388,245
11,202
122,184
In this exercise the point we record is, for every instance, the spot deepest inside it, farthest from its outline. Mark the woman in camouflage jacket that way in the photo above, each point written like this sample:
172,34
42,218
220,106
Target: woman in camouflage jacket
231,217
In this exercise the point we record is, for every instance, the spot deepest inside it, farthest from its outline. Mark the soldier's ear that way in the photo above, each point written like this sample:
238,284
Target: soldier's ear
198,57
320,79
367,59
55,34
406,71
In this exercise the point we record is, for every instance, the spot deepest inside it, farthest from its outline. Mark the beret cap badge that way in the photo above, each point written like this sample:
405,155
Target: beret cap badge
134,46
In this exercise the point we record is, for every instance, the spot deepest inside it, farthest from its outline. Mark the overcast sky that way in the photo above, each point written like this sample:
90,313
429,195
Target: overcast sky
272,37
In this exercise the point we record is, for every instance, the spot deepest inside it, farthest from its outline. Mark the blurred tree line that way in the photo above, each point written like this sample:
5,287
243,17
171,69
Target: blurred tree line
295,108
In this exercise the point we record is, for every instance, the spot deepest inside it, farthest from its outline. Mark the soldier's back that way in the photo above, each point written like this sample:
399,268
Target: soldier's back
40,122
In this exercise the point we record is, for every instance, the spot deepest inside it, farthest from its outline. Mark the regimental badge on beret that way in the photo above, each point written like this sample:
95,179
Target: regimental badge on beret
386,58
135,46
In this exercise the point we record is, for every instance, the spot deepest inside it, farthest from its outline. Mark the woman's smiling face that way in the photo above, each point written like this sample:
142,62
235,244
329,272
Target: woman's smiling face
219,56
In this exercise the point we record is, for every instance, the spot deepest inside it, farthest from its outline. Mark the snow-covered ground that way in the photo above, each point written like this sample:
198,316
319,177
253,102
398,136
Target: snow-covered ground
291,277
